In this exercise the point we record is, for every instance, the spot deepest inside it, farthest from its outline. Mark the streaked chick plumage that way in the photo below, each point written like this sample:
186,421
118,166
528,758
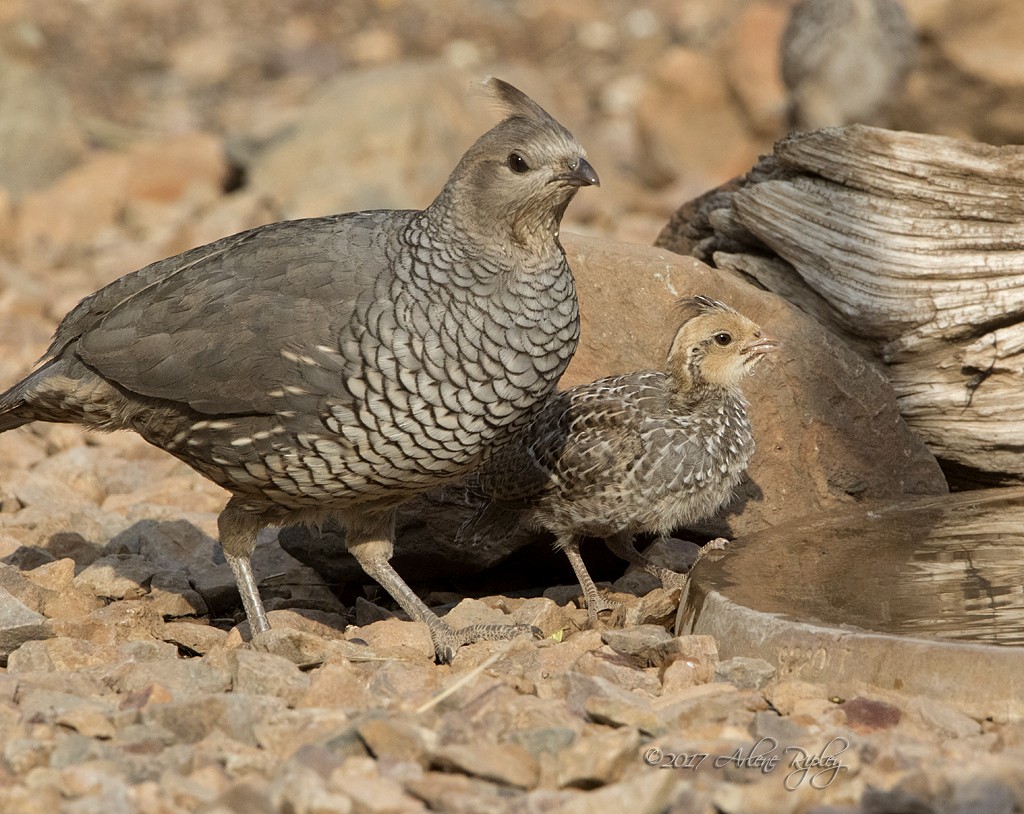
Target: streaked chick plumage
648,451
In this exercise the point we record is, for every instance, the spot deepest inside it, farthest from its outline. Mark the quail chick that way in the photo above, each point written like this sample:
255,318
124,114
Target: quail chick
843,60
643,452
336,366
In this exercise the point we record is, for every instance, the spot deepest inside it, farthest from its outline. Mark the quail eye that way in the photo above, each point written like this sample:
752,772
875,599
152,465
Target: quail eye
517,163
722,338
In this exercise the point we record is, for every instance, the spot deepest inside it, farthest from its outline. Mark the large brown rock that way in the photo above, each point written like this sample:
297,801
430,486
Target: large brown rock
825,421
827,429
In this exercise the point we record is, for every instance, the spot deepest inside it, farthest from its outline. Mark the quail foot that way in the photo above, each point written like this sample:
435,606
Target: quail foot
337,366
643,452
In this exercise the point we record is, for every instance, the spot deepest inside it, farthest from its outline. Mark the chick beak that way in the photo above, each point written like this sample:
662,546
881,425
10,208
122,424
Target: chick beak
581,174
761,345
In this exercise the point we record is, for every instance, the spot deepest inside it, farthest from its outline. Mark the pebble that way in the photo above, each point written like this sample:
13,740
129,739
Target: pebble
745,673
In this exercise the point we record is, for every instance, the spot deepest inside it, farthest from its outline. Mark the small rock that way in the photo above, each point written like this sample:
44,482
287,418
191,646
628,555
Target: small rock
18,624
460,794
769,724
50,706
117,622
658,607
59,653
503,763
302,790
193,636
172,595
21,755
88,720
195,717
687,661
368,612
604,702
948,720
544,614
700,704
393,638
289,732
600,757
54,576
338,684
475,612
868,714
620,712
622,671
267,674
183,677
359,778
394,738
116,577
551,662
745,673
636,641
989,795
405,683
785,694
150,694
641,794
545,741
637,582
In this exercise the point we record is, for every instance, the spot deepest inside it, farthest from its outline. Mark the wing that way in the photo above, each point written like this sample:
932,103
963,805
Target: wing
585,440
605,436
222,326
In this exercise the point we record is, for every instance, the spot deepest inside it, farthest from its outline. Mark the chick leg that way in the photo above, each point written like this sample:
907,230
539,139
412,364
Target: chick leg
369,537
596,603
622,546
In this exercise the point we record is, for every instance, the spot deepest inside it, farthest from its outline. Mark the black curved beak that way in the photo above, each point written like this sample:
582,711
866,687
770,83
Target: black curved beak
582,175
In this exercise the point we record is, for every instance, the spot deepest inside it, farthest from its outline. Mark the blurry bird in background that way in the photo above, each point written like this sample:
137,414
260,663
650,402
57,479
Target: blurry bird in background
643,452
843,61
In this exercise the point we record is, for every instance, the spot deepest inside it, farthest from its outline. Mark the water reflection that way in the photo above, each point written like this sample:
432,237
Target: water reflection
949,567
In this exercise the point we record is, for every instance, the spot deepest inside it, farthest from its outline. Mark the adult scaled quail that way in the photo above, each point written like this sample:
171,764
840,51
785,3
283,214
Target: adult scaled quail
643,452
336,366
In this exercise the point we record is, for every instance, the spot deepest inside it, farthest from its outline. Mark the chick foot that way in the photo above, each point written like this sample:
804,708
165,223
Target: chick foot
447,639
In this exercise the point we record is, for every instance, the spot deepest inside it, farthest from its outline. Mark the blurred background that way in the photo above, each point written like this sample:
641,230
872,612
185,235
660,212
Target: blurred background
133,130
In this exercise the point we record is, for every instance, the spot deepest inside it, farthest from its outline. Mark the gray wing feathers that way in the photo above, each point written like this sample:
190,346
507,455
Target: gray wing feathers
214,327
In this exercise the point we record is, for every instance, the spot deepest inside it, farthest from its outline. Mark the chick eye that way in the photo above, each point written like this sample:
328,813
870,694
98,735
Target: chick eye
722,338
517,163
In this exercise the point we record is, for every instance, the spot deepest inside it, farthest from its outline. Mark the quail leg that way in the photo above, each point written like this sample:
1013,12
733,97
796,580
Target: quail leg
622,546
238,529
596,603
369,539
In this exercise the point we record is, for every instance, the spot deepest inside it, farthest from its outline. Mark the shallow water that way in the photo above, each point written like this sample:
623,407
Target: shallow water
950,567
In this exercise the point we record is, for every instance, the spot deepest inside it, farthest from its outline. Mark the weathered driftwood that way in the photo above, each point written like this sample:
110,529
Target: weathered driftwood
912,247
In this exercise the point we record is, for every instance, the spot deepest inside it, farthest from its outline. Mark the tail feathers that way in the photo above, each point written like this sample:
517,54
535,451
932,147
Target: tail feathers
489,522
13,410
10,418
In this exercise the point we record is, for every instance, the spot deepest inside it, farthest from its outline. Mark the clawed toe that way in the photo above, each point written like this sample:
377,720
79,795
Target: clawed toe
598,604
447,639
